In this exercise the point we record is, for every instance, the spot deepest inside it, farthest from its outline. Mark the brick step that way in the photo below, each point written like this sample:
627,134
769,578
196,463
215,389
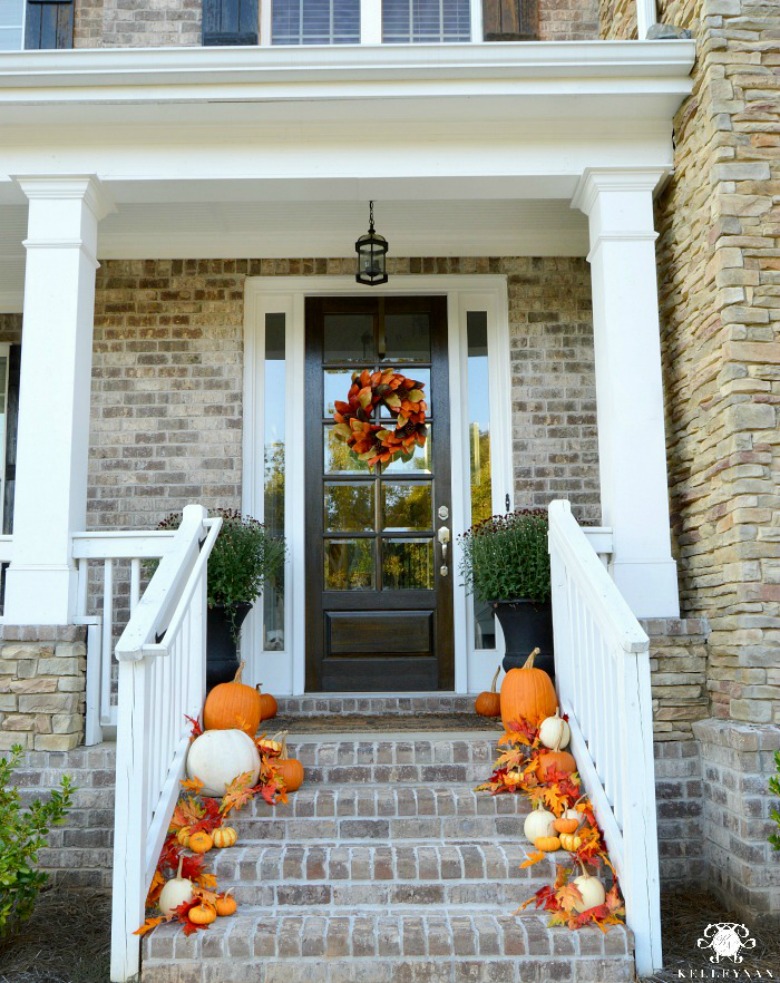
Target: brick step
430,944
360,759
358,874
377,704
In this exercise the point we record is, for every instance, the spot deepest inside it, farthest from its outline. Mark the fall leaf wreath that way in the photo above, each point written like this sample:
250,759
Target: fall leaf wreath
197,813
519,769
378,443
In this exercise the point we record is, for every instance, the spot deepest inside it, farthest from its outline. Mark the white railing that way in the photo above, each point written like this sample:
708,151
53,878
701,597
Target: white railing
110,567
602,672
162,678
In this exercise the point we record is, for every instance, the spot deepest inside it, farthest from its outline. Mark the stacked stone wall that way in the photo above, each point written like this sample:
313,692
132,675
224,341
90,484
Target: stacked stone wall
167,414
42,687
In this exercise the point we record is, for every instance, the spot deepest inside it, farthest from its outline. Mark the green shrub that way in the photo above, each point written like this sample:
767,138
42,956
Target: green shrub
22,834
774,786
505,557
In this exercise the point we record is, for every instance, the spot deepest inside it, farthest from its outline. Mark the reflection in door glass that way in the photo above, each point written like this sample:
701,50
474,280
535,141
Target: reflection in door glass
479,454
407,338
349,338
336,384
419,463
407,506
273,456
338,459
349,506
349,564
407,564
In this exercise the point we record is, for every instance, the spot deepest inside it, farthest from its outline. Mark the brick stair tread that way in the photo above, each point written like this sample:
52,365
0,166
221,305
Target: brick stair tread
378,944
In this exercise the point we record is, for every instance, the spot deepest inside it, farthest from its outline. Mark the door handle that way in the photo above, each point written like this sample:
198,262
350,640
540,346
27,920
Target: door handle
443,535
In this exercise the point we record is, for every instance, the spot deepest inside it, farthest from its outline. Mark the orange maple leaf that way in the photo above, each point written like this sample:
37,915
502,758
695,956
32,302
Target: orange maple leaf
155,889
188,811
192,785
237,793
149,924
533,858
568,896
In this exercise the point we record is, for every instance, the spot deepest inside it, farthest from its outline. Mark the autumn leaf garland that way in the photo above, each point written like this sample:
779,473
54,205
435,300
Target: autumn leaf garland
372,442
518,770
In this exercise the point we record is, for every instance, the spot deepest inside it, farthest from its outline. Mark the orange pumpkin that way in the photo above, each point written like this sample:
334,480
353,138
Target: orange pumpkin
200,842
202,914
233,706
224,836
547,844
552,761
528,693
268,705
566,825
225,905
488,704
183,836
290,769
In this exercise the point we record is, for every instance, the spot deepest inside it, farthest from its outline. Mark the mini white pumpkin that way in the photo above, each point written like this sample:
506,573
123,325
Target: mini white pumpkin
219,756
554,731
538,823
592,891
176,891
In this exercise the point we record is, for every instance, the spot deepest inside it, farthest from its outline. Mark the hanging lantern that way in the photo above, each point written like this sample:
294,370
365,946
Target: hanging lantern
372,251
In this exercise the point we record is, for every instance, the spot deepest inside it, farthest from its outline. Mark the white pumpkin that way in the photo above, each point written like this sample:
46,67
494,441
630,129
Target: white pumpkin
592,891
176,891
554,732
538,822
219,756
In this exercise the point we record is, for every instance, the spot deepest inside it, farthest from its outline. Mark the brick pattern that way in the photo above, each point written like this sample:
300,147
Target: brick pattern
737,760
158,23
678,666
167,380
79,853
679,813
42,680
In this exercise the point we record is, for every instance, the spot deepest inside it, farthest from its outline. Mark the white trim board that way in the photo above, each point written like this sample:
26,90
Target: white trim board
284,672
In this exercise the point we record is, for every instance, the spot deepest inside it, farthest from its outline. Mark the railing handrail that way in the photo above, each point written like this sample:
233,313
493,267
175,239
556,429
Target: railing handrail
162,677
602,659
121,545
611,607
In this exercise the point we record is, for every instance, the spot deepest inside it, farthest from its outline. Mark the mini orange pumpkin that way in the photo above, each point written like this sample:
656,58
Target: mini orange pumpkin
200,842
224,836
488,704
290,769
566,825
225,905
202,914
527,693
547,844
233,706
268,705
556,761
183,836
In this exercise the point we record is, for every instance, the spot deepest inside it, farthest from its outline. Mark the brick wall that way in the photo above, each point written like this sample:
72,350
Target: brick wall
168,377
177,23
42,687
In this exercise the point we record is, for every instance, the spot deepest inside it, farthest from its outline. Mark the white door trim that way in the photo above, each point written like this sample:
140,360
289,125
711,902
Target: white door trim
284,672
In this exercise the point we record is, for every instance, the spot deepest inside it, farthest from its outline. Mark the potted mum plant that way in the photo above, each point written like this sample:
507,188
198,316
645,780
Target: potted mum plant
505,563
244,559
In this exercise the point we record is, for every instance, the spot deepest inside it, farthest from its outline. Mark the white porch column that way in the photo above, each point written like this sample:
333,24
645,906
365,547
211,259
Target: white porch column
629,392
54,396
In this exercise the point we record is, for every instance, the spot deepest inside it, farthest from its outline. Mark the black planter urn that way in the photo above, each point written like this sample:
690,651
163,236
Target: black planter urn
526,625
221,645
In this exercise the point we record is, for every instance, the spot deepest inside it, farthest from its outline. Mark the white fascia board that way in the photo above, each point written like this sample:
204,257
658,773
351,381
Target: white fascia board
153,75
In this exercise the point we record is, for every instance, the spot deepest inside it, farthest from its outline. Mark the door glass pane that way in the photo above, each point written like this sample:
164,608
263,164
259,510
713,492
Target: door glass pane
338,459
336,385
407,505
479,453
349,564
419,463
407,338
419,375
349,338
273,453
349,506
407,564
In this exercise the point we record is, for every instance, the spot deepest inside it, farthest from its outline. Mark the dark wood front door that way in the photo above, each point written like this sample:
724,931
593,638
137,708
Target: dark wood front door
379,587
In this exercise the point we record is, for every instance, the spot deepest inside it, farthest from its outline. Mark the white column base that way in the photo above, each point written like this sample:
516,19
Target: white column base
650,589
25,588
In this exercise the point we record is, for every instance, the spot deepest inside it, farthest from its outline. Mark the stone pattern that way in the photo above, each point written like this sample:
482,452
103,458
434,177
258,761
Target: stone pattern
678,666
737,760
167,23
79,853
167,411
42,687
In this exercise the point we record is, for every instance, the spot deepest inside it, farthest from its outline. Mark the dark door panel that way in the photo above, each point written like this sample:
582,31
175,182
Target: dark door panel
379,595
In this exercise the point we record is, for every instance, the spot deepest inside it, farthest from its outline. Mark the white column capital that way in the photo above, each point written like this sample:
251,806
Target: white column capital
598,181
59,187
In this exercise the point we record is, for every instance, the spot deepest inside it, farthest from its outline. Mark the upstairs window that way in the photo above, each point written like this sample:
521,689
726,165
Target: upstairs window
11,24
425,21
36,24
315,22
